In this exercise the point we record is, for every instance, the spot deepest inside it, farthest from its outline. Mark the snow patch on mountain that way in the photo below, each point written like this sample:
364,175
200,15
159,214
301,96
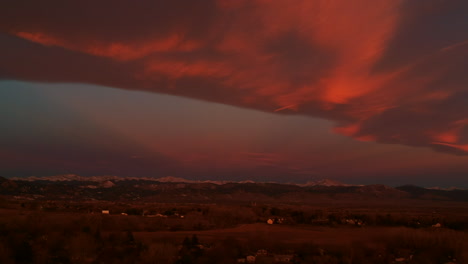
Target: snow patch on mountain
108,179
325,182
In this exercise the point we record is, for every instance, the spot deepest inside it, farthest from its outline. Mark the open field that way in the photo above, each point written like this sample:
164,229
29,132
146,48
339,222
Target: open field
77,232
287,234
289,238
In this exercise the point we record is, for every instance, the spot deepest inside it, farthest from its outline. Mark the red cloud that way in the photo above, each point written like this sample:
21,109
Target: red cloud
387,71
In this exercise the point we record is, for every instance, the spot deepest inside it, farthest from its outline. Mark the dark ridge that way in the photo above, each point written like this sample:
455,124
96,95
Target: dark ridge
431,194
210,192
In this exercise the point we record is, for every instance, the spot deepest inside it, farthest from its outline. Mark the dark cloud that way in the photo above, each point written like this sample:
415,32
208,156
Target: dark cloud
425,28
299,59
25,60
78,22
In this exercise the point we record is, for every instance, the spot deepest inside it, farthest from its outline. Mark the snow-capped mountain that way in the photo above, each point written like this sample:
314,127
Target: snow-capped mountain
110,178
325,182
107,178
70,177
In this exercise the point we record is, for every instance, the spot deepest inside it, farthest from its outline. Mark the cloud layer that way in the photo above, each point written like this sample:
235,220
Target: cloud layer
386,71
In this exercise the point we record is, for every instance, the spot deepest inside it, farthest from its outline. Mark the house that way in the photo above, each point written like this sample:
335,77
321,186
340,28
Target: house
354,222
437,225
160,215
262,252
241,260
105,211
250,259
125,214
283,258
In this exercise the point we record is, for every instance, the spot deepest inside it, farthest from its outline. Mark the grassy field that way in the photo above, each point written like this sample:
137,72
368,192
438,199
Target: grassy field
231,232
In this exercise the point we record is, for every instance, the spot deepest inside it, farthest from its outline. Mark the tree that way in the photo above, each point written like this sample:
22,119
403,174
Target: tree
194,240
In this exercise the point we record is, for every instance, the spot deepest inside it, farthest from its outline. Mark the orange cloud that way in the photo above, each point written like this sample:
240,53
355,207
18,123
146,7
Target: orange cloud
463,148
387,71
116,50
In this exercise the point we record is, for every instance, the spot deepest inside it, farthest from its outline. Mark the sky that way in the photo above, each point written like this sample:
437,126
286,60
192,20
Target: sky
364,91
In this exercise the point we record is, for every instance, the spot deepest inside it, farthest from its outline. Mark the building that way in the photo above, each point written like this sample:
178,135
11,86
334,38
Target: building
250,259
283,258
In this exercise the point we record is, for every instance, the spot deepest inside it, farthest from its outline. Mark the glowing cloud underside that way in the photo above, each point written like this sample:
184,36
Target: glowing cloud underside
386,71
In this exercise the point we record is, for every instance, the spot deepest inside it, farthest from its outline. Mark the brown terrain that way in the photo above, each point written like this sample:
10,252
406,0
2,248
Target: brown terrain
147,221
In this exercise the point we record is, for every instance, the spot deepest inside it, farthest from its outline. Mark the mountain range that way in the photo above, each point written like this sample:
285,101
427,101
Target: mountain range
172,189
74,177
